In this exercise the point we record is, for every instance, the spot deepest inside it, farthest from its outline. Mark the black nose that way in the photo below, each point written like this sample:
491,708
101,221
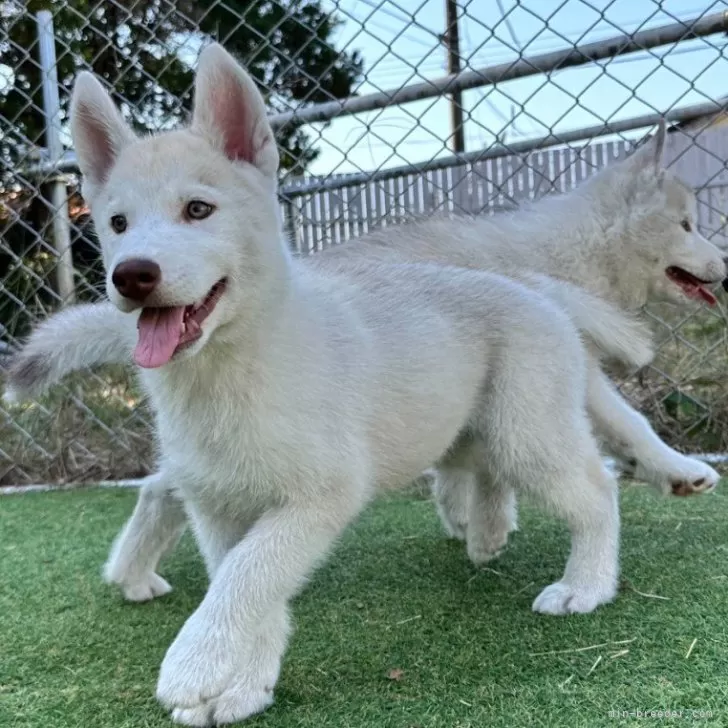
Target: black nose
725,280
135,279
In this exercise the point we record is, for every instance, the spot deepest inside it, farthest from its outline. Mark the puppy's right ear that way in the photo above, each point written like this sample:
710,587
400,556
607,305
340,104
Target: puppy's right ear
98,130
230,111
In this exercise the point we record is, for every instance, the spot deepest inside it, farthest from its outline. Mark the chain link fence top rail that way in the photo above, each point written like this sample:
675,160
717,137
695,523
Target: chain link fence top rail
382,109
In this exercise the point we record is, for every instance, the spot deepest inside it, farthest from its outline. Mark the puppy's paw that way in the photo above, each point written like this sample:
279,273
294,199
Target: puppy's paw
144,588
207,679
234,705
701,479
455,527
137,583
485,547
680,476
241,701
197,667
200,715
562,598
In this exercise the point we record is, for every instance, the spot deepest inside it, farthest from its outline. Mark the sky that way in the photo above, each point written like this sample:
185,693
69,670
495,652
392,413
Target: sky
400,44
398,40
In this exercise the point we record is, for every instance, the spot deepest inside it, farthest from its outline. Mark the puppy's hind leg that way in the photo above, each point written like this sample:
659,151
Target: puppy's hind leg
565,470
460,493
557,459
452,486
152,531
588,499
491,518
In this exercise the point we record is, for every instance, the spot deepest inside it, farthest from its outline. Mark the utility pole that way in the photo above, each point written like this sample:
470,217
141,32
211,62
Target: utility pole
452,43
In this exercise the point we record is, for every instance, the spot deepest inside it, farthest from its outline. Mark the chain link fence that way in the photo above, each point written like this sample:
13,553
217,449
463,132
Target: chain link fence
383,109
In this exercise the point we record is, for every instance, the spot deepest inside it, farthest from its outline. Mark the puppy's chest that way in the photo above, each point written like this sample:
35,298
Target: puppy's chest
222,456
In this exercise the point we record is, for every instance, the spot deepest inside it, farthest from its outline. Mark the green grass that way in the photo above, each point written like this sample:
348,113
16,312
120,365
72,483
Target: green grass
394,596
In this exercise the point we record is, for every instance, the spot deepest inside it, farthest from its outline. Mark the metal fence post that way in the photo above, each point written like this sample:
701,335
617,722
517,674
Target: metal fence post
59,195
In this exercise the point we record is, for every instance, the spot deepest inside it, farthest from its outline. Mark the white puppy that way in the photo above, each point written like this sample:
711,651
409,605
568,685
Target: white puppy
628,234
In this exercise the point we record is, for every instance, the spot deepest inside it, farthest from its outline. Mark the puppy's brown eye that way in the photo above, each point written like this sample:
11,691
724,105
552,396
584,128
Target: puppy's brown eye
118,223
686,226
198,210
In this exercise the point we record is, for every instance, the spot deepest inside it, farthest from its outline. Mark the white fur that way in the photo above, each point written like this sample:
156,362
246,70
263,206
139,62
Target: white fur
314,382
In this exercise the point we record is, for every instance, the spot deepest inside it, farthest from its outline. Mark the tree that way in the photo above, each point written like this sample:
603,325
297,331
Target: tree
146,50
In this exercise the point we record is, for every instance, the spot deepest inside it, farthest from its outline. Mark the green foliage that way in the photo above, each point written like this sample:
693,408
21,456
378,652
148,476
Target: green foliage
146,55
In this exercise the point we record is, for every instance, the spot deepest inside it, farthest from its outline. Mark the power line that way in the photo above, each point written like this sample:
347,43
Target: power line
508,24
409,18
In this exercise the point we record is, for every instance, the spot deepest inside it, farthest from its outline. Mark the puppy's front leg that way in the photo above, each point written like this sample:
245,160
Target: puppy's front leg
631,437
152,531
224,663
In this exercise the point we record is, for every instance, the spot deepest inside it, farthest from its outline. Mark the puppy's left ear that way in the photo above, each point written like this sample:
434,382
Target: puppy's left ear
649,157
230,111
658,145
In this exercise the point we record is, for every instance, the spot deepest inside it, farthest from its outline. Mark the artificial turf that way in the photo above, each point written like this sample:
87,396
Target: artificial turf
396,630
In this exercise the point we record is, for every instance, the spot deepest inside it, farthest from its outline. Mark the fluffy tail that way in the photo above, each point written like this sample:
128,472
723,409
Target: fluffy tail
77,337
616,334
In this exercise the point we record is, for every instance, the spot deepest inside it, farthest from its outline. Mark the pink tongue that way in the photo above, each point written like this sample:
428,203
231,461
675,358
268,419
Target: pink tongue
160,330
707,296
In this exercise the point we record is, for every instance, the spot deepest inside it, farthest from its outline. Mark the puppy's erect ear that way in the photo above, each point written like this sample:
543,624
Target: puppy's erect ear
641,170
99,132
649,157
230,112
658,142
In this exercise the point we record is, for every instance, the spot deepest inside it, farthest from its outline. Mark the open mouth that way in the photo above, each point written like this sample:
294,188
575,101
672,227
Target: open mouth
691,286
166,330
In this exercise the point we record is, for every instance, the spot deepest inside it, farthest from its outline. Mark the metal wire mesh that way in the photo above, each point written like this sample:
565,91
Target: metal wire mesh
383,109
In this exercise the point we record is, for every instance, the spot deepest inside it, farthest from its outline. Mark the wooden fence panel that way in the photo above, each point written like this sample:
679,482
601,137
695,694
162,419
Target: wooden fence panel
331,217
